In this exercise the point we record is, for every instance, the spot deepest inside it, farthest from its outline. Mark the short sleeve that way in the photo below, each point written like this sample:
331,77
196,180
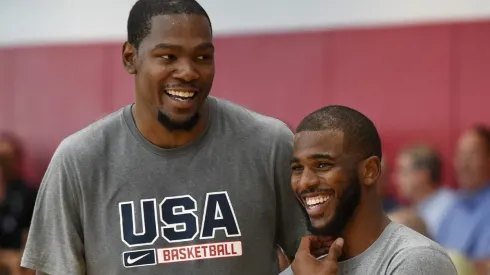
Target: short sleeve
290,219
422,261
55,241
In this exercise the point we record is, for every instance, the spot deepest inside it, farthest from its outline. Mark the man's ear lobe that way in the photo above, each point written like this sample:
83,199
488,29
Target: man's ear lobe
129,57
371,170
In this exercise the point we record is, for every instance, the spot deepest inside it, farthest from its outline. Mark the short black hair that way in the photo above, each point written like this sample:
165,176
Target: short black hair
139,21
426,158
484,132
360,134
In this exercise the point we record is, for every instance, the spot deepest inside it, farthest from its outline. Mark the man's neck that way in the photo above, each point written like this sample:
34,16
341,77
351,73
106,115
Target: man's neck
364,229
153,131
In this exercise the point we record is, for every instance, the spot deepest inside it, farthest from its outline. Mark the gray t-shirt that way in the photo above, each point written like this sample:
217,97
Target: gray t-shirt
113,203
398,251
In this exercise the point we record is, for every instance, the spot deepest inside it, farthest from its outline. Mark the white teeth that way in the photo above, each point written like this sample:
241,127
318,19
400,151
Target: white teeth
183,94
311,201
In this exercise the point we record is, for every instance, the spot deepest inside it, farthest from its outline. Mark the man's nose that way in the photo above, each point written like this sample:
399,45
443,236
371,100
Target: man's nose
186,71
309,179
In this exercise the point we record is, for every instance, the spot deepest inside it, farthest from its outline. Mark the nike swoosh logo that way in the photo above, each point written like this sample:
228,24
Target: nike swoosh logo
132,261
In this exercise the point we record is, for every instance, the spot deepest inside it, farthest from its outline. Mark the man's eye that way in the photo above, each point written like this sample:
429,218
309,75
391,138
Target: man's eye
323,165
168,57
204,57
296,168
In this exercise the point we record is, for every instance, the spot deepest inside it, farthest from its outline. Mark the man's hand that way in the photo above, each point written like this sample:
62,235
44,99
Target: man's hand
306,264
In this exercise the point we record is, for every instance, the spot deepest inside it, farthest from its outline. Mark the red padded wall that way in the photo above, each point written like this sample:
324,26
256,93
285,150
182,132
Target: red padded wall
399,77
472,43
278,75
418,83
55,92
6,88
121,91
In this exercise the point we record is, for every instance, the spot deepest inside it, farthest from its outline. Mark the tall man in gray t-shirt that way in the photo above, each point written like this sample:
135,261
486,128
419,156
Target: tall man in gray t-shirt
335,169
178,183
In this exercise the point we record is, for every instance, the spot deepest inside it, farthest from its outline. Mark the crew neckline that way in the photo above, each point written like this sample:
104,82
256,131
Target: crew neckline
136,134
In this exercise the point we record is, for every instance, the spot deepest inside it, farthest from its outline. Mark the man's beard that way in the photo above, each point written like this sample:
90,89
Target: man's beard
172,125
343,212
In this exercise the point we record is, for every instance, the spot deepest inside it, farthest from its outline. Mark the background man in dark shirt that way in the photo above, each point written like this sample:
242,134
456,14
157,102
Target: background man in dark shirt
16,204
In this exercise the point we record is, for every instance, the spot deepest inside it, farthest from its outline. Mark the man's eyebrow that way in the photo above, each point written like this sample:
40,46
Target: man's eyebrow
315,157
322,156
294,160
165,46
206,45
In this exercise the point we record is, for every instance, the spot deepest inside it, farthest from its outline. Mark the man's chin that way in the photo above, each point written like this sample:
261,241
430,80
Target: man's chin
173,123
323,229
317,226
315,229
321,232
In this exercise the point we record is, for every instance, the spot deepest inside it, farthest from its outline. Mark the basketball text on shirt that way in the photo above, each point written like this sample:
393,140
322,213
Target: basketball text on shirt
175,220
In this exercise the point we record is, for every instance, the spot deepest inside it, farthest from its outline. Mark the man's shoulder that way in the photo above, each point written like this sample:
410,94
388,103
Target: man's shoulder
249,120
93,137
404,237
412,251
422,260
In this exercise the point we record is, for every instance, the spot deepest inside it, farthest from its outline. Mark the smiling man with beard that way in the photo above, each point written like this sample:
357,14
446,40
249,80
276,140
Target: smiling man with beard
335,169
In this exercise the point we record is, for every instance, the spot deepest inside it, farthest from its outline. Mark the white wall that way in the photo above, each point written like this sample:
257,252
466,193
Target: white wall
55,21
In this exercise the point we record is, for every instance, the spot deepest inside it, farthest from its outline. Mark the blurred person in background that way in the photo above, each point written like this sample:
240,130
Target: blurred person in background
8,259
410,218
390,202
16,202
11,147
418,175
15,213
466,226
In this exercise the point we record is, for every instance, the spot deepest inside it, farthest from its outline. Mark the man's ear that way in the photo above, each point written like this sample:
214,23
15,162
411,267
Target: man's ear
370,170
129,57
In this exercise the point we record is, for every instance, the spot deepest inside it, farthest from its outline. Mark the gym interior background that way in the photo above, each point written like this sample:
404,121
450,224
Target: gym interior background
420,70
